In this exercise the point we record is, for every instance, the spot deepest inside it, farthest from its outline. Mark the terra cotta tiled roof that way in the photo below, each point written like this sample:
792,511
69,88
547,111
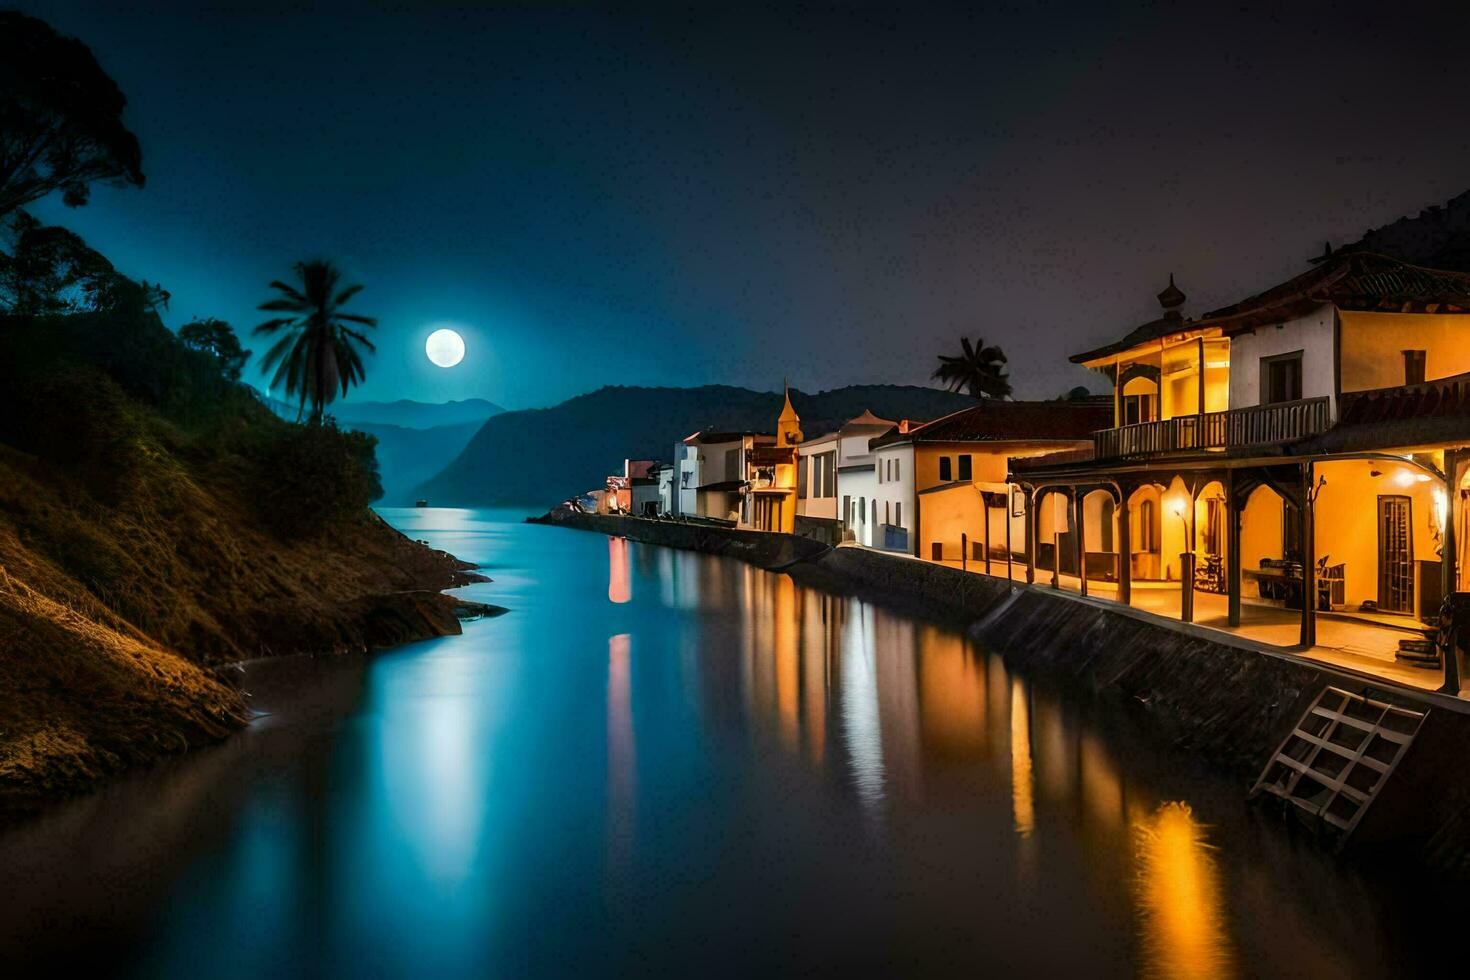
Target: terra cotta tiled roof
1352,281
995,421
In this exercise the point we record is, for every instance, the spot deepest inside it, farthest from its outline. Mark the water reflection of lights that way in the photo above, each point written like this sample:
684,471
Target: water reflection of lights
434,780
860,726
1023,803
1179,896
619,582
621,748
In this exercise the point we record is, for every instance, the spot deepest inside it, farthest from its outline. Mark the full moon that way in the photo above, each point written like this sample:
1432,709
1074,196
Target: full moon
445,348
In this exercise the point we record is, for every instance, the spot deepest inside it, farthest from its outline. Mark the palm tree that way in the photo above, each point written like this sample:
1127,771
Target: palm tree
318,352
978,370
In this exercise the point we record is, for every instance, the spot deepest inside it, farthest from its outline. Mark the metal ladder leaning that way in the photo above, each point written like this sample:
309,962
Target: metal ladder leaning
1338,757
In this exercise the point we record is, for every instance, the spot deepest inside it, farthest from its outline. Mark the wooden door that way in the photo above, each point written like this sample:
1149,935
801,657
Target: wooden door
1395,554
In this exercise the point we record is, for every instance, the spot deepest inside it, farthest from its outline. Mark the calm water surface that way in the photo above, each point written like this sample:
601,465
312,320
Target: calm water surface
661,762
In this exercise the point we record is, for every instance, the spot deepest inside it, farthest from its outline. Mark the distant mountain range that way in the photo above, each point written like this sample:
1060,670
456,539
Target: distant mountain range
540,456
415,439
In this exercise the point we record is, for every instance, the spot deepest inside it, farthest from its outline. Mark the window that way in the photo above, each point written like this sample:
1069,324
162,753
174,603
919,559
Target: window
1281,378
965,467
898,512
862,510
944,470
896,468
1138,409
684,479
886,514
1414,367
846,510
824,475
803,463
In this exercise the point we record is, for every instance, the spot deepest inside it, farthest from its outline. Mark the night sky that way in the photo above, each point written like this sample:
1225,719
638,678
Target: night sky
667,197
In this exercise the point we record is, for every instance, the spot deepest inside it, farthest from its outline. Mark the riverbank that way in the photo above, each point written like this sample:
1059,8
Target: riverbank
1225,703
118,622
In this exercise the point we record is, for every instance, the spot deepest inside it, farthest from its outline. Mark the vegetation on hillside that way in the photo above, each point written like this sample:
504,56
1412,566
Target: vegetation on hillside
156,518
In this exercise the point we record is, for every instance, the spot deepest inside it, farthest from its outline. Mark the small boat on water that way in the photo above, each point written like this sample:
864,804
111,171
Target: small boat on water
421,502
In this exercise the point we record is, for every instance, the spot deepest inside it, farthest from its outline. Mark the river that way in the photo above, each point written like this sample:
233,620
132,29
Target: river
660,762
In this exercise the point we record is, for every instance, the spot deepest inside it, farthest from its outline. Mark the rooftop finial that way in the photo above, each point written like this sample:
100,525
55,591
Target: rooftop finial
1171,299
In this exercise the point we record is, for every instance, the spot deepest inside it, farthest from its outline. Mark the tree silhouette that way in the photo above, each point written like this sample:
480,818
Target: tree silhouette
216,337
60,118
45,269
978,370
318,353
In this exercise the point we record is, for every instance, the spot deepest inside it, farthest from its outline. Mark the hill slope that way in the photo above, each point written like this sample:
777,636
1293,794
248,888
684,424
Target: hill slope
138,547
407,457
543,455
415,415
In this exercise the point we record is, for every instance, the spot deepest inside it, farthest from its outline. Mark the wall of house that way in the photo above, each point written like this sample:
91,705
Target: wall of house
721,504
1260,532
859,487
809,505
987,465
889,493
1312,334
947,514
1373,346
1346,516
686,479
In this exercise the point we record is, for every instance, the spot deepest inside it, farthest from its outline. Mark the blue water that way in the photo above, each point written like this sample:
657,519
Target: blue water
665,763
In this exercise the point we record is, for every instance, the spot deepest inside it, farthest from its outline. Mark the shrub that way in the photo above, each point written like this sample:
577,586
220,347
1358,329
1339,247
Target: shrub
308,477
81,420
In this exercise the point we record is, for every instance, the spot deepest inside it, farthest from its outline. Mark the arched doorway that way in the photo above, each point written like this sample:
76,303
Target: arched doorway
1145,520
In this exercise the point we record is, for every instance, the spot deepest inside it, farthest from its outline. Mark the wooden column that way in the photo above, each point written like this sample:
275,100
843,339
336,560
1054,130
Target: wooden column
1079,547
1010,576
1449,560
1448,570
1125,552
1309,560
1030,537
985,499
1232,546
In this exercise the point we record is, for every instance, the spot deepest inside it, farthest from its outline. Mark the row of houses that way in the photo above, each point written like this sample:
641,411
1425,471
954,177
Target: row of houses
1291,468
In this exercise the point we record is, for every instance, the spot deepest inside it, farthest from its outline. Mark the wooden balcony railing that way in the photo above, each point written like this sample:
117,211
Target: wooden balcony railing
1258,425
1179,434
1283,422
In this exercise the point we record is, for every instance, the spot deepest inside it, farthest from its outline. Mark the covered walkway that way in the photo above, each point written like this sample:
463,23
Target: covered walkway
1343,640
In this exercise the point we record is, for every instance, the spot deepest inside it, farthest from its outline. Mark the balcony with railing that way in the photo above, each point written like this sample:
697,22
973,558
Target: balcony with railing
1258,425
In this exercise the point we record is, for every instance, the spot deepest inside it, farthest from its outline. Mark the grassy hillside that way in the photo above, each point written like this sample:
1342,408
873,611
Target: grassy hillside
544,455
157,521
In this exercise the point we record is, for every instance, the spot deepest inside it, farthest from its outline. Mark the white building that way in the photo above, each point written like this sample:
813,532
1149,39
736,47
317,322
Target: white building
816,480
719,465
663,474
890,518
857,477
684,500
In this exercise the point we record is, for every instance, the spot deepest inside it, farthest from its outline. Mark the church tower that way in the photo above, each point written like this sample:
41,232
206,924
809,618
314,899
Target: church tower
788,426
